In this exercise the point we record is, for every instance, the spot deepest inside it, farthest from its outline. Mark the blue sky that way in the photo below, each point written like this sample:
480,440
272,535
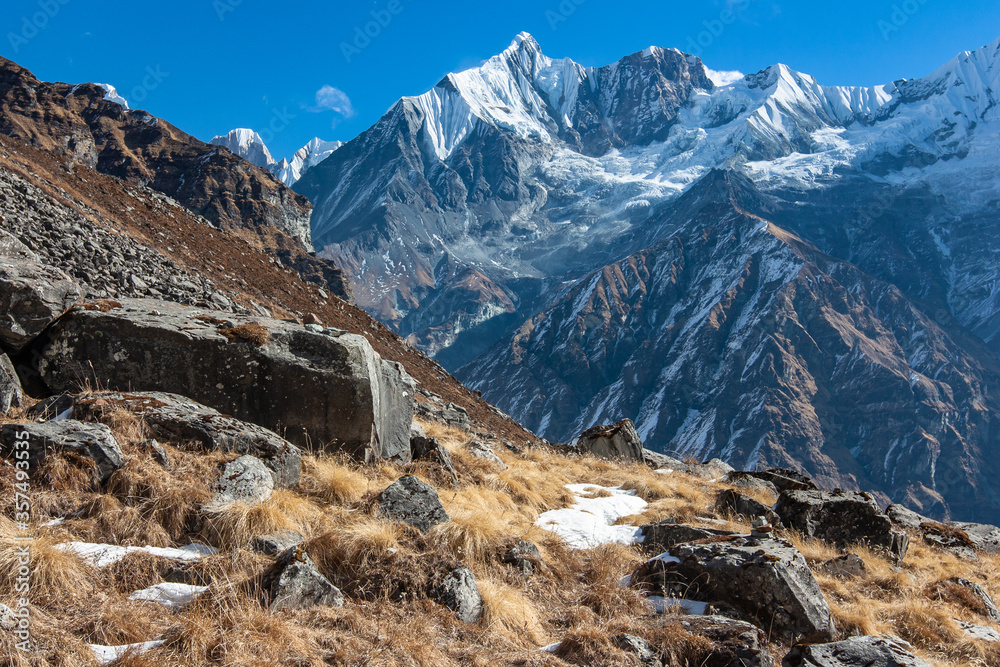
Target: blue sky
281,67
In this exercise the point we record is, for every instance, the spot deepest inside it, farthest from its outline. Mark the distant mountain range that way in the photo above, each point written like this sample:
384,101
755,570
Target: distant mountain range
758,267
250,146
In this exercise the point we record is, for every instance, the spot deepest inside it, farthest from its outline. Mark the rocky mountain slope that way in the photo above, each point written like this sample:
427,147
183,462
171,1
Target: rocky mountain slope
83,123
734,338
552,211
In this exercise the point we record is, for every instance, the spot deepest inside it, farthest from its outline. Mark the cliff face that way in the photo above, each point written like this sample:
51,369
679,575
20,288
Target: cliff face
76,121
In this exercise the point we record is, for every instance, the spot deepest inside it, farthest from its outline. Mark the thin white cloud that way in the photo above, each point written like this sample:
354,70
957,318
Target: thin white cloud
333,99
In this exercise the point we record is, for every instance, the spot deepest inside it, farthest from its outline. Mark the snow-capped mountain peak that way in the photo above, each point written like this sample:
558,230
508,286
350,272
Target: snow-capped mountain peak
248,145
111,95
307,157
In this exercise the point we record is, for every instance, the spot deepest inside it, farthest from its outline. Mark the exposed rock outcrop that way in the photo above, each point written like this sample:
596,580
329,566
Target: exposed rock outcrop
11,394
616,441
92,441
853,652
842,518
328,391
765,578
294,582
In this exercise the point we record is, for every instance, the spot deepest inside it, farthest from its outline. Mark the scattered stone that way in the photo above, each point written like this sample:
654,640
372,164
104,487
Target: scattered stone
980,632
32,294
905,517
11,394
328,392
730,502
294,582
949,538
785,479
458,591
747,482
613,442
853,652
445,413
312,318
157,451
657,460
93,441
984,537
246,480
640,648
413,501
275,543
185,419
842,518
761,528
848,565
524,555
429,449
416,431
485,452
967,593
735,643
767,579
660,537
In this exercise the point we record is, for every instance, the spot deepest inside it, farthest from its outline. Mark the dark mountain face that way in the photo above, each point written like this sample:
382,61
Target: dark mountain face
79,123
736,338
762,268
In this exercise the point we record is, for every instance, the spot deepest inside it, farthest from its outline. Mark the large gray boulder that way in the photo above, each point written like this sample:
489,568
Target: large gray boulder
179,417
785,479
323,390
32,295
294,582
842,518
853,652
93,441
413,501
659,537
11,394
764,578
616,442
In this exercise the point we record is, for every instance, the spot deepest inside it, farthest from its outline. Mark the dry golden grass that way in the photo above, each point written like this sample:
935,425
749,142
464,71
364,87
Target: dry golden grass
255,334
334,480
232,526
387,570
54,573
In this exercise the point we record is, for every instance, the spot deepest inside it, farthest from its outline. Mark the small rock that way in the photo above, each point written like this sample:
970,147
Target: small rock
294,582
853,652
486,453
429,449
413,501
848,565
311,318
524,555
747,482
458,591
639,647
275,543
904,517
614,442
157,451
315,328
58,406
246,480
785,479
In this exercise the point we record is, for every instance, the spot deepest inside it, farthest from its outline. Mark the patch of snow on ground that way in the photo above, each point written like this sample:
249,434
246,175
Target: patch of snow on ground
108,654
664,605
589,522
103,555
170,595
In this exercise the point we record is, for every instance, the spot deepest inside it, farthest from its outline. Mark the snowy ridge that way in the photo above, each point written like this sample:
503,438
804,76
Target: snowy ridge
248,145
307,157
111,95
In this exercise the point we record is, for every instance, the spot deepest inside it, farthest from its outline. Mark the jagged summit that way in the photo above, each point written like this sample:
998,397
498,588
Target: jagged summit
248,145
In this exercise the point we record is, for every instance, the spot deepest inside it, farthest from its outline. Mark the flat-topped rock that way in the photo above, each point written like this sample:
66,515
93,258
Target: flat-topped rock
326,391
93,441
